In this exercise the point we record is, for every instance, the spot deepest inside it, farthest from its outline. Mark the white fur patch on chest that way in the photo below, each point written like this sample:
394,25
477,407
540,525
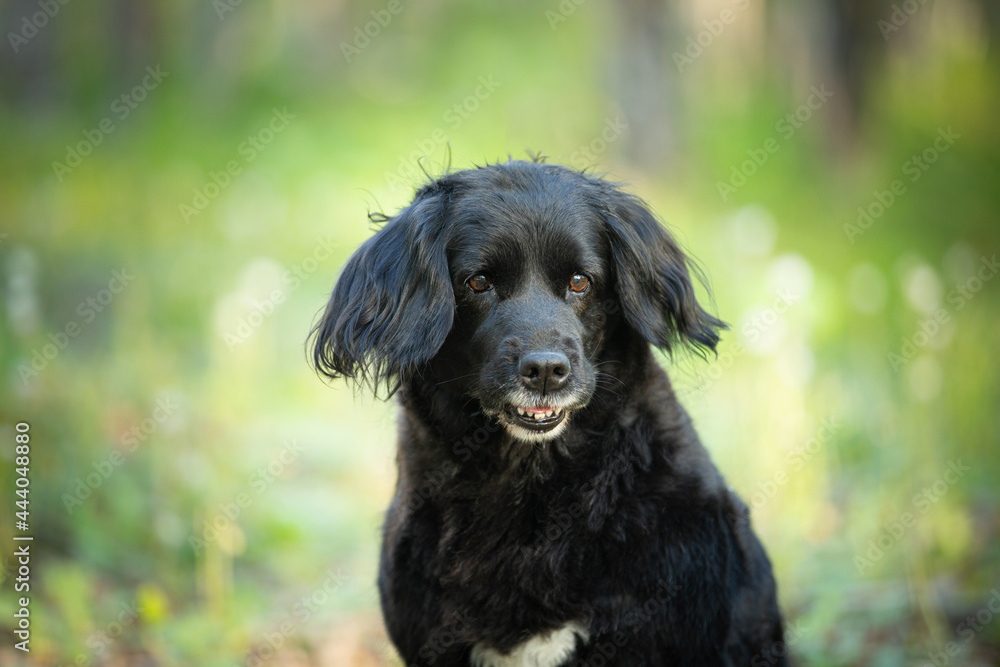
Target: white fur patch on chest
549,649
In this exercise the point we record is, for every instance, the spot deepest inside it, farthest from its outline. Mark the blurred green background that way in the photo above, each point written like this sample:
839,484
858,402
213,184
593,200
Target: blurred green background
180,183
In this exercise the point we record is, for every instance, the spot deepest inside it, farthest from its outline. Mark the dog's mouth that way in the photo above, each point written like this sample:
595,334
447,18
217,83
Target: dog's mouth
537,420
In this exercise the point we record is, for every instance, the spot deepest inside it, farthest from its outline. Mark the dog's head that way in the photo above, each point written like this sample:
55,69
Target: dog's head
506,281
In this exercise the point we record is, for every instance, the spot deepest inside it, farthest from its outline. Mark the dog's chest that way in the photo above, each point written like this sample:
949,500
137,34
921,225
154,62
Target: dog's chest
549,649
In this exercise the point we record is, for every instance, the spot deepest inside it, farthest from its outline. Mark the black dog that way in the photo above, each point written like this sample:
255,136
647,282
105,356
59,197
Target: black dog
554,504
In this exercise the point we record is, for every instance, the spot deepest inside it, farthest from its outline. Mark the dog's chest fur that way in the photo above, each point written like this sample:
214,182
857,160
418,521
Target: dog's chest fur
549,649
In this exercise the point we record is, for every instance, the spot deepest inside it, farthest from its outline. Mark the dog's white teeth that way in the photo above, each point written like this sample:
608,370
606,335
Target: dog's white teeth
538,416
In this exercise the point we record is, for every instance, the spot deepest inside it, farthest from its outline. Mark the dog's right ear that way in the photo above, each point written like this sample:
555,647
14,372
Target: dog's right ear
393,305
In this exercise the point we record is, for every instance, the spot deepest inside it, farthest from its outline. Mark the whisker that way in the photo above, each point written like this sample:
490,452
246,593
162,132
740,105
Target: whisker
609,378
460,377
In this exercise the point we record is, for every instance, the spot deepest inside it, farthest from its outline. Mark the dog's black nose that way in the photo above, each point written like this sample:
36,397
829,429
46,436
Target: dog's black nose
544,371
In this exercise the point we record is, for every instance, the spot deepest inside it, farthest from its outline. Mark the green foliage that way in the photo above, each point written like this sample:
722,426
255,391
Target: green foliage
220,488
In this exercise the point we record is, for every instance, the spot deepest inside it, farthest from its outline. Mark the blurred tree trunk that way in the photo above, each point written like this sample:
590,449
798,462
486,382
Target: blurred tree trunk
991,17
138,43
644,82
857,49
29,75
43,65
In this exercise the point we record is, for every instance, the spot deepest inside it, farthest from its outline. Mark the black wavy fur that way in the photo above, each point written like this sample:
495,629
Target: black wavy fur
620,523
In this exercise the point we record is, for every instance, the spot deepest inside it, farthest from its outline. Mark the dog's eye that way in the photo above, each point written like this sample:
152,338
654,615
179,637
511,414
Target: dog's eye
579,283
479,283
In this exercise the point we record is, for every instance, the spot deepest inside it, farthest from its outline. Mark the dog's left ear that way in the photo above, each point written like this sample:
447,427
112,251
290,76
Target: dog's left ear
654,277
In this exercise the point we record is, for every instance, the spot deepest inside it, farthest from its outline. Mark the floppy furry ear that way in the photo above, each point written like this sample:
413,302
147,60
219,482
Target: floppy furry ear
654,278
393,305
